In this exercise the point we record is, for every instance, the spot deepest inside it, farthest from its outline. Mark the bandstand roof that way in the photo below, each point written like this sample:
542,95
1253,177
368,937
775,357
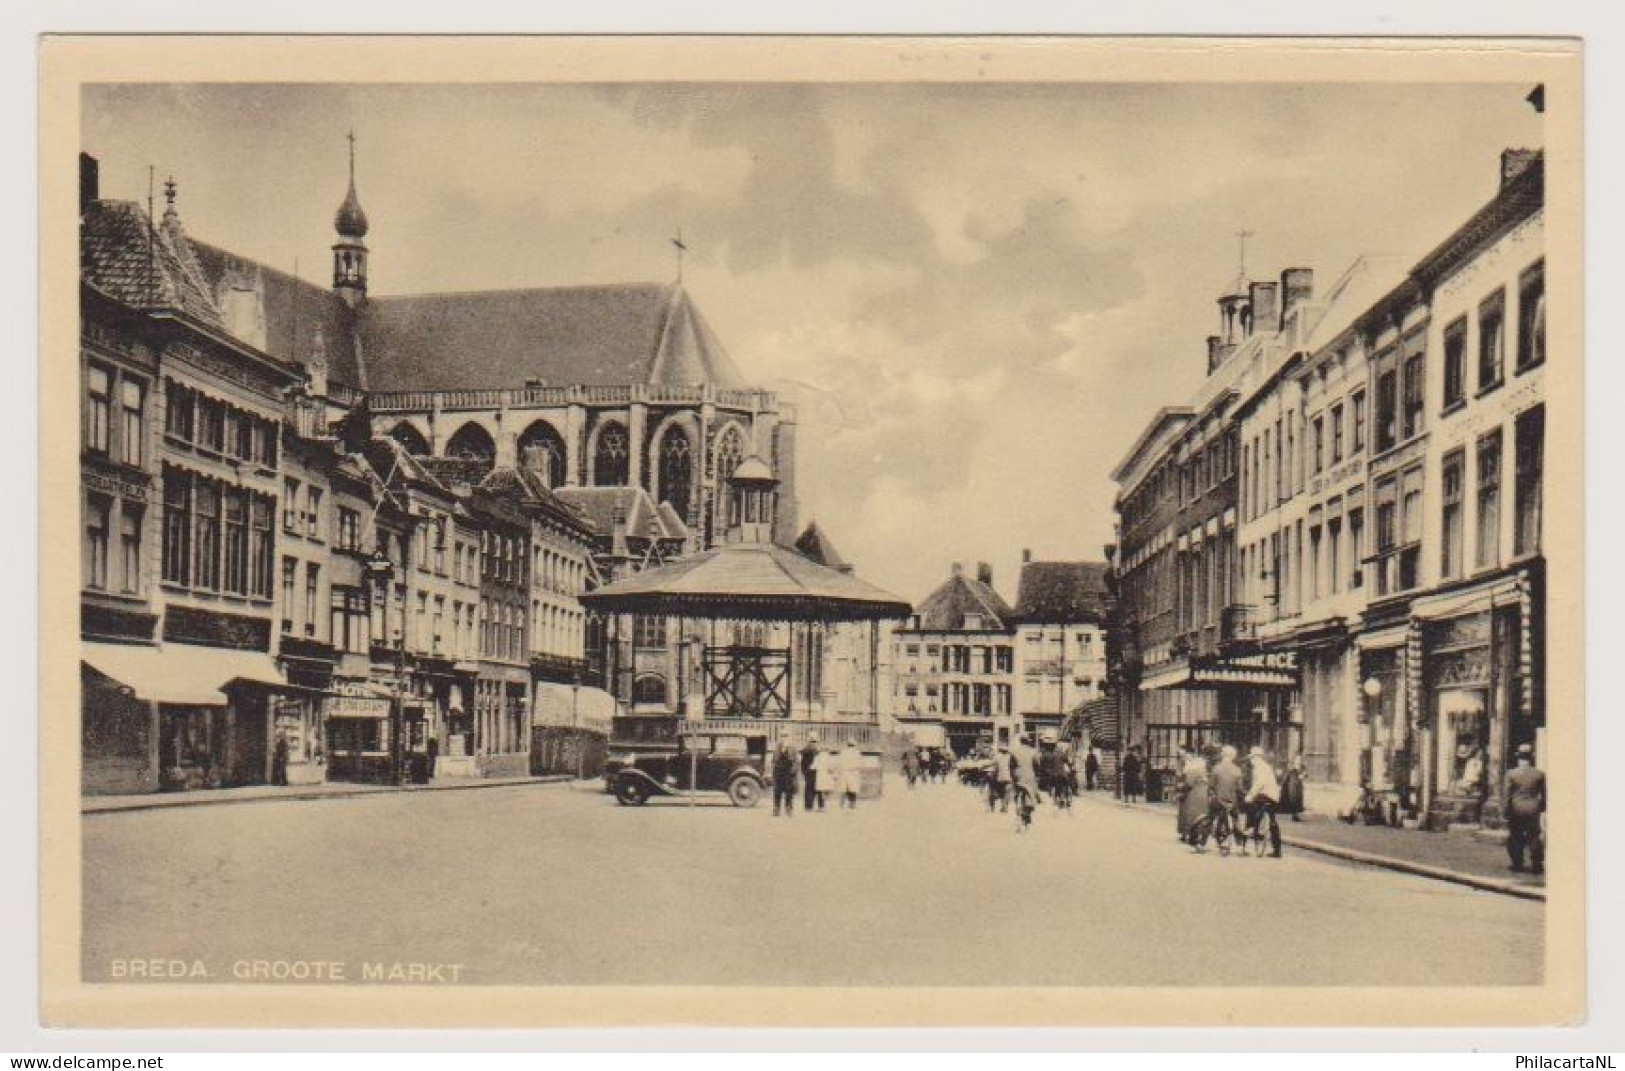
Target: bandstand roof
754,581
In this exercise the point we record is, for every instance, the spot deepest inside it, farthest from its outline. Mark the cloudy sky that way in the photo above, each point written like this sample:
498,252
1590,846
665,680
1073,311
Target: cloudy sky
977,294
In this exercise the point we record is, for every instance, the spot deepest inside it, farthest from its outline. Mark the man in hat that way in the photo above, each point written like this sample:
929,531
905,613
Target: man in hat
1224,797
1526,811
809,775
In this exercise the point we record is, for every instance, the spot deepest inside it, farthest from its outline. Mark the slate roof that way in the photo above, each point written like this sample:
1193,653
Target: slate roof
644,333
295,310
740,580
142,266
944,609
1053,593
644,520
816,546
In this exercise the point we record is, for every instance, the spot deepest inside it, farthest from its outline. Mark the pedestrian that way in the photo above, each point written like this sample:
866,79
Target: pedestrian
1263,794
1133,770
823,776
1091,769
1526,812
998,780
851,775
1224,796
1024,782
434,758
1192,794
911,766
809,773
1292,789
279,761
784,778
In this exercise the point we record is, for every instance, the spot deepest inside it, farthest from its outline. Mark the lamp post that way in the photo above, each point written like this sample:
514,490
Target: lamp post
381,569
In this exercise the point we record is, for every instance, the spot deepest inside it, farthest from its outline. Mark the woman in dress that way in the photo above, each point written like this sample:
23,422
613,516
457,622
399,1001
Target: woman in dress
1193,800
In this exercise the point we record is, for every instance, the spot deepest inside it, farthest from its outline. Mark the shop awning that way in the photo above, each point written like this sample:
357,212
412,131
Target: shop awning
1220,674
182,674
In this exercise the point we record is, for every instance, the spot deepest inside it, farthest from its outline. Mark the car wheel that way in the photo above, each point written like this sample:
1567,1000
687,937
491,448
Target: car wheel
631,793
744,791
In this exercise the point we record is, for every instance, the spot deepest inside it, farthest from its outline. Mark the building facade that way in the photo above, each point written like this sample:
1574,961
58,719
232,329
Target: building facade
1060,619
955,660
1386,616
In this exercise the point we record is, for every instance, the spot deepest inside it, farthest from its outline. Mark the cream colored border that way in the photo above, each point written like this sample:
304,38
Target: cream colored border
67,63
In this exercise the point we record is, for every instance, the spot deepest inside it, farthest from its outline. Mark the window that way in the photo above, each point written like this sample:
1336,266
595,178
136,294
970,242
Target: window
98,518
236,579
177,532
1455,363
1532,317
1356,545
350,529
1529,436
1358,403
1410,512
1453,471
1334,546
313,512
1387,403
180,404
1387,515
1491,341
260,546
438,620
1337,433
132,421
205,534
1489,499
130,547
1415,371
313,574
1319,445
1313,571
99,391
349,620
676,469
211,424
649,630
611,457
440,546
290,571
290,505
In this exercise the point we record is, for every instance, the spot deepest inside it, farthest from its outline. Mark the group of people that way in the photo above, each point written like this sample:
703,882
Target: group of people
1023,775
820,773
1233,803
926,764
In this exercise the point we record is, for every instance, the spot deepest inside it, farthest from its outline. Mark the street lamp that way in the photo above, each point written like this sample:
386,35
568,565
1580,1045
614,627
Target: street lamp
381,569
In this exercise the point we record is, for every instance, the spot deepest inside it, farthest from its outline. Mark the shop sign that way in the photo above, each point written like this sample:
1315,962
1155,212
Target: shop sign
355,706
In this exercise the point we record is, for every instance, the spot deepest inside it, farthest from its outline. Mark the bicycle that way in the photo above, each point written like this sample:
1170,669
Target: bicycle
1256,831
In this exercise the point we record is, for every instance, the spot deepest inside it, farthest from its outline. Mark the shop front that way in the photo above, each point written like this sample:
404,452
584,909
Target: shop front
177,717
1476,685
1245,700
357,717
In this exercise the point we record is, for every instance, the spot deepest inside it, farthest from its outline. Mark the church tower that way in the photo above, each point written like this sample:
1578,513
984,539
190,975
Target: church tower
350,251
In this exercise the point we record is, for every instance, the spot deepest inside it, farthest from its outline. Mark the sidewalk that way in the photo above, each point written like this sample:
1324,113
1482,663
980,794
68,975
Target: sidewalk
326,790
1456,857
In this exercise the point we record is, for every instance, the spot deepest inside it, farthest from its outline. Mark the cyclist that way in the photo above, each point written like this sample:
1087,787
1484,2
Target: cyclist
1263,794
1224,796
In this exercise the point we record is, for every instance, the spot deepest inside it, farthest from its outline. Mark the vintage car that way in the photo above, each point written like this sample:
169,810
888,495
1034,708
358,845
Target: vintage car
733,763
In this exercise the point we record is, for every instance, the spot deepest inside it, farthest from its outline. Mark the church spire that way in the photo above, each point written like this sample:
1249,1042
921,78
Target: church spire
350,251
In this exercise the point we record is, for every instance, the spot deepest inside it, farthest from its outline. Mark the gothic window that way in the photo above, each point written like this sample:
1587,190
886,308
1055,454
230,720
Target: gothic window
730,452
410,439
676,469
471,440
649,689
611,458
541,450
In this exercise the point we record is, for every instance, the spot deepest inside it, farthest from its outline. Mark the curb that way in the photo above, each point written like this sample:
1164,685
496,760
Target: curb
1386,862
339,794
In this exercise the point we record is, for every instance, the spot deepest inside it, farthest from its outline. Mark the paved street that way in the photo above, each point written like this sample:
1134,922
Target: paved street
557,884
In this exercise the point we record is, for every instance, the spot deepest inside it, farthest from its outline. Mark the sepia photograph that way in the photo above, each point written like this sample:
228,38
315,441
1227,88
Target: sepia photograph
805,521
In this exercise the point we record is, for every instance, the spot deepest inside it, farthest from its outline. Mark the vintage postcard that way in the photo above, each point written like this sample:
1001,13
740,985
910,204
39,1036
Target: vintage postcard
811,531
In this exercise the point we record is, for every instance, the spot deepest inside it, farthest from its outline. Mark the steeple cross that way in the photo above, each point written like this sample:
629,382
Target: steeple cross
1241,250
677,242
351,138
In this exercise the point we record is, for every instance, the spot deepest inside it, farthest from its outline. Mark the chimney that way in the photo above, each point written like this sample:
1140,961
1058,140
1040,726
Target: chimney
984,573
1515,162
959,569
618,546
1297,287
90,181
1026,555
1265,305
1215,351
